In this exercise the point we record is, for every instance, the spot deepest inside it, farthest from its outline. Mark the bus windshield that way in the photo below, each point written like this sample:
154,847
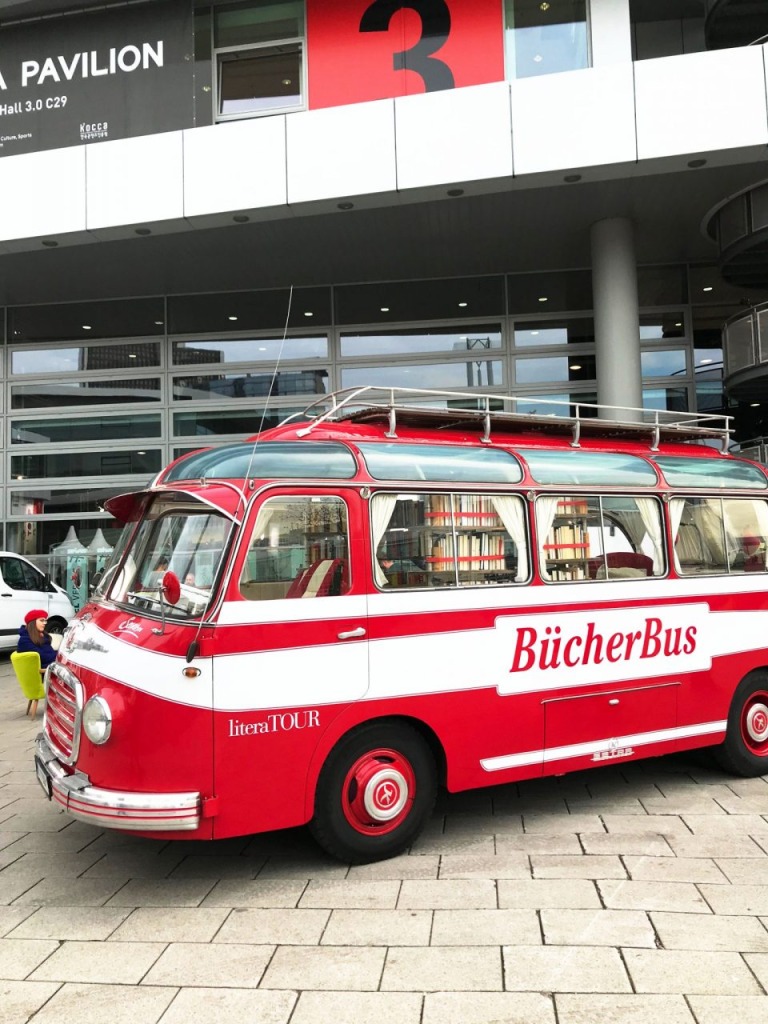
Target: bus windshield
186,539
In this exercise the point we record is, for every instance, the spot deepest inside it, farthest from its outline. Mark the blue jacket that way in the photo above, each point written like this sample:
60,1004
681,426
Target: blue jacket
46,652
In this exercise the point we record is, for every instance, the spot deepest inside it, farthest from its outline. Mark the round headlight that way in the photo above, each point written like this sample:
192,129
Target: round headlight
97,720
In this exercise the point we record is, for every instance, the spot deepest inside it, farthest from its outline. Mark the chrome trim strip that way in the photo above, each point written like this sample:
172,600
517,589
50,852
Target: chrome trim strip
68,678
529,757
109,808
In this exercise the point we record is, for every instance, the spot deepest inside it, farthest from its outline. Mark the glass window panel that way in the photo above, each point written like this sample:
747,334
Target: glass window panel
299,549
248,350
746,531
670,399
588,468
708,286
205,423
71,501
250,385
410,342
66,464
249,311
713,474
267,460
544,38
733,221
398,301
89,357
258,22
668,363
431,462
710,395
552,369
68,394
700,547
559,404
449,540
577,331
260,81
483,373
549,292
656,326
661,286
85,321
91,428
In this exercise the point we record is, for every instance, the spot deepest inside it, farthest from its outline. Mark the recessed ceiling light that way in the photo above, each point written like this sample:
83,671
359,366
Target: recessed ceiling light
754,405
575,366
543,298
454,192
384,309
708,288
698,162
346,206
132,355
678,325
308,312
141,453
159,323
570,178
49,243
143,231
87,327
463,304
286,81
231,318
241,218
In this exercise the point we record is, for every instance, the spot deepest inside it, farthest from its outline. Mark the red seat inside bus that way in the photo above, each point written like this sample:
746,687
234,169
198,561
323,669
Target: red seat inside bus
324,578
621,560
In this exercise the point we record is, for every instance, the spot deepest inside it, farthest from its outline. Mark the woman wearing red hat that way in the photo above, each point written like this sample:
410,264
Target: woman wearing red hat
32,637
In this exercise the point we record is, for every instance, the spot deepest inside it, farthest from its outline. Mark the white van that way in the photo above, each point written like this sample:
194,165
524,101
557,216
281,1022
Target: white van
24,587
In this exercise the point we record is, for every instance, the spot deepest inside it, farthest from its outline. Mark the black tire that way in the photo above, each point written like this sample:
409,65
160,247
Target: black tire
745,750
375,793
56,624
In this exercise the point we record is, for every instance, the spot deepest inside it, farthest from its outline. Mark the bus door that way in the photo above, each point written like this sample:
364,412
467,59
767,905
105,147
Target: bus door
291,648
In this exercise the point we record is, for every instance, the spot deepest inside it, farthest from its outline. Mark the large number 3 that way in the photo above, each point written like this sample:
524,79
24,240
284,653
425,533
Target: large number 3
435,29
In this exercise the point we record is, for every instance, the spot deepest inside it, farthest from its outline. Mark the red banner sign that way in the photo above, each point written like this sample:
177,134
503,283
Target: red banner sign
362,50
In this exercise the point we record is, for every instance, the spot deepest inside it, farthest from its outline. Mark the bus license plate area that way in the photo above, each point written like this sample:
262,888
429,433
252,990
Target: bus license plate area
43,778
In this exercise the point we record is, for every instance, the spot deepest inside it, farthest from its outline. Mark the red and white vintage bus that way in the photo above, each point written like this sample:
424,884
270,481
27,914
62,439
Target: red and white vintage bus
404,590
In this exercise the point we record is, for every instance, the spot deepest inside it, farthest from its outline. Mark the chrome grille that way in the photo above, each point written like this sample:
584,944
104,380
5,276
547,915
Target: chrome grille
64,705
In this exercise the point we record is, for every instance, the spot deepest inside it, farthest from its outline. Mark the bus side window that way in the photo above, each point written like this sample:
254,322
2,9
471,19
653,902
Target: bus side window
299,549
746,530
699,536
591,537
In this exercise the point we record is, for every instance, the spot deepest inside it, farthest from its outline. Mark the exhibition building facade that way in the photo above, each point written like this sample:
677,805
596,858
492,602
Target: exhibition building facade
213,214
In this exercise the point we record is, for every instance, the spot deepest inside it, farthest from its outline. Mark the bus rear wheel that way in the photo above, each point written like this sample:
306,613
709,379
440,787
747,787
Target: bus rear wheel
374,794
745,750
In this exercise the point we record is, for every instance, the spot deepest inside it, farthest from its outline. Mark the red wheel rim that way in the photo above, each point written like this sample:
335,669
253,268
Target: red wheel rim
754,724
378,792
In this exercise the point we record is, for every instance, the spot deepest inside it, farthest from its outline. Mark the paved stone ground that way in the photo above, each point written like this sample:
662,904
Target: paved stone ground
631,894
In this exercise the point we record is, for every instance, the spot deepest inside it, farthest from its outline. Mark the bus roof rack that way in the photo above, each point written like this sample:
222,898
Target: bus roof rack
417,407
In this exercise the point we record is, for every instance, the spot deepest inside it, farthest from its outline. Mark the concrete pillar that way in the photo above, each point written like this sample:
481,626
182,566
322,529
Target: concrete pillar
617,324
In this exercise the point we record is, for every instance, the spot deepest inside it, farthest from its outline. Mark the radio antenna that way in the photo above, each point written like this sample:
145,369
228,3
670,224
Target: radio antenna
272,382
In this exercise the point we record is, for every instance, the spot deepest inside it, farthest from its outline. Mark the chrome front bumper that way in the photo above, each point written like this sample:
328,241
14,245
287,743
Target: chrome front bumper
112,808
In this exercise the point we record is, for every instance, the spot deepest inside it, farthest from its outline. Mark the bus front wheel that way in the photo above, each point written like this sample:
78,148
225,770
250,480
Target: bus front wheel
745,750
374,794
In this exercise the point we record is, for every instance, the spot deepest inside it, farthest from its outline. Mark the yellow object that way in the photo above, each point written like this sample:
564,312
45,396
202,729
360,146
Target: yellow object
27,668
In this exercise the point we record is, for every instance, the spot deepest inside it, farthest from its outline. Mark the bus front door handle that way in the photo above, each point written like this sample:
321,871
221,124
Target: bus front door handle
351,634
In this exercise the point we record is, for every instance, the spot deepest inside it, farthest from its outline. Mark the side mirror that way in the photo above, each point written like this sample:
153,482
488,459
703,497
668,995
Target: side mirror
171,587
